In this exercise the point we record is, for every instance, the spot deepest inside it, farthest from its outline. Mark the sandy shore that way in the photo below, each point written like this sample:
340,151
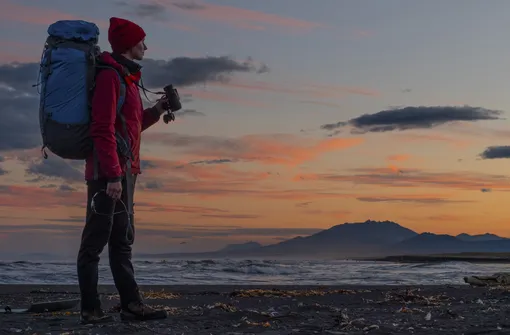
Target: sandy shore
277,310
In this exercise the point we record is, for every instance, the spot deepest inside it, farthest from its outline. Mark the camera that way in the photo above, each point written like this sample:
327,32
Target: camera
173,104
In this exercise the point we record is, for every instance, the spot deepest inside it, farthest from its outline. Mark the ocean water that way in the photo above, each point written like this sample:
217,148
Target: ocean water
272,272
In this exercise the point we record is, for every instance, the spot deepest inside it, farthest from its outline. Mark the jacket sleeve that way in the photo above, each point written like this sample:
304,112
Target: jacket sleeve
150,117
102,127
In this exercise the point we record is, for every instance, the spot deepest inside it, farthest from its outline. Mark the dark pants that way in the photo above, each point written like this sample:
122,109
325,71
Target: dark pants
107,227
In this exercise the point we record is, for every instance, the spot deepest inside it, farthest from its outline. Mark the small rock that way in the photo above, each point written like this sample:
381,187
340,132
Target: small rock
428,316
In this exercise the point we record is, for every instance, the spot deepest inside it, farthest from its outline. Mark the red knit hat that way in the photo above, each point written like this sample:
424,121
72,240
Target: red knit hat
124,34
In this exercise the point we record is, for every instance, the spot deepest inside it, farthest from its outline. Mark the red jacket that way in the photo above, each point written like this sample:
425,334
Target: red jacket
104,121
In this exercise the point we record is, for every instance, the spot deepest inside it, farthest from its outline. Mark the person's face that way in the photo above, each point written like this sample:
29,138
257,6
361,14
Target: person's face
138,51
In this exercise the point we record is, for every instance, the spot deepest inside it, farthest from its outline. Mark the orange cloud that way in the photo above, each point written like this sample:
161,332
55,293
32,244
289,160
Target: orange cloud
22,196
172,208
279,149
434,199
238,17
12,11
415,178
208,181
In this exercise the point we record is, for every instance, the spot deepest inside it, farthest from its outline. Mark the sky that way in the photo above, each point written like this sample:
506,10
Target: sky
297,116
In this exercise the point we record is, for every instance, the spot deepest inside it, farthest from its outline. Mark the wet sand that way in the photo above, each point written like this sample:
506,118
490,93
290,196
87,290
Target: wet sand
277,310
489,257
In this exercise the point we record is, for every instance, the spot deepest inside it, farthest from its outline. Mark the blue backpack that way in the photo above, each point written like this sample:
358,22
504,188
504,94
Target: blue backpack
68,68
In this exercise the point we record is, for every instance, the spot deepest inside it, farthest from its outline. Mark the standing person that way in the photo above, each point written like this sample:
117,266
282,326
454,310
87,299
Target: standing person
111,177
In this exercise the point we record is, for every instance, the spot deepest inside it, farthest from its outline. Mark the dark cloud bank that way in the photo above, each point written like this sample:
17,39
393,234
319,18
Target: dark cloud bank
494,152
19,101
413,118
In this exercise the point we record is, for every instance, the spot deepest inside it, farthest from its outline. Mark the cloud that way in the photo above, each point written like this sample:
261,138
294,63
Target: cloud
2,171
147,164
54,167
174,208
20,196
414,118
276,149
415,178
233,16
151,185
146,10
411,199
210,181
212,161
494,152
19,128
188,112
187,71
19,100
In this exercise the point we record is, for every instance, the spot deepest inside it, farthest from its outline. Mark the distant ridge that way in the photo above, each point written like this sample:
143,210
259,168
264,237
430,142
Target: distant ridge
359,240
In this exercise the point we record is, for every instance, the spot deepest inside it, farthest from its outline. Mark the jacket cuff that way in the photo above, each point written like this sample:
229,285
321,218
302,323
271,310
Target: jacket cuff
155,113
114,180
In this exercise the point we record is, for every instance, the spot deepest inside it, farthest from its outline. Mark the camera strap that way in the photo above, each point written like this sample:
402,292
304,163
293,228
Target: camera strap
130,184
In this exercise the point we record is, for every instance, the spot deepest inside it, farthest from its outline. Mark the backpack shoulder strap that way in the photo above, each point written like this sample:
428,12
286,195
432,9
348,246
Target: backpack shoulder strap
122,94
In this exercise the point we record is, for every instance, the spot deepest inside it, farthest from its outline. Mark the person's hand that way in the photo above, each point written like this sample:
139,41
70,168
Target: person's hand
114,190
161,104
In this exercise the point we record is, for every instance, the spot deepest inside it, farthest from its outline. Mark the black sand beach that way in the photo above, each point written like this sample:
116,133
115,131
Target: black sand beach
277,310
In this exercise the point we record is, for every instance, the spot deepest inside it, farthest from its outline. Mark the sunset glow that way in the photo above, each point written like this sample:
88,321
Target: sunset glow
307,118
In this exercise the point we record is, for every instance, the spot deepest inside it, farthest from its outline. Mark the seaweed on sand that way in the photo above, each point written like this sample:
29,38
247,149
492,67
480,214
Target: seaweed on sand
289,293
152,295
410,296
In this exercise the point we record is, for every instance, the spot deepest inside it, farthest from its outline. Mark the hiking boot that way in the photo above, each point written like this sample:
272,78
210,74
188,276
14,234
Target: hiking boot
138,311
95,316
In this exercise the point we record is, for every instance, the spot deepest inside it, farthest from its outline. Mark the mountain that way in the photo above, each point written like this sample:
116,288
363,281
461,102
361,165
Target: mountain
428,243
483,237
348,240
367,238
359,240
240,247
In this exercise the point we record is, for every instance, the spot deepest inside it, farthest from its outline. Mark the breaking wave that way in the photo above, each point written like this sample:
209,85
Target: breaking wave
208,271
